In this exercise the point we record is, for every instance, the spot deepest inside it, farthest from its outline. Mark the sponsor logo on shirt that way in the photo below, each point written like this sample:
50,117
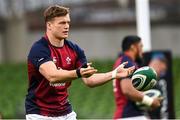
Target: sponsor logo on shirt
57,84
40,59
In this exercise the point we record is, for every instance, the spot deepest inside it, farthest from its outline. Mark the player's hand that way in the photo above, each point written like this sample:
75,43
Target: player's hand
121,72
156,102
87,72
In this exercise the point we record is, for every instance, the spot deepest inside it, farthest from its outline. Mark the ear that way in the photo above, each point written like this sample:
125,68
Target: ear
132,47
48,25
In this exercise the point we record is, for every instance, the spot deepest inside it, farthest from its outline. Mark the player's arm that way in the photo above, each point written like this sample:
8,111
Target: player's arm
129,91
51,73
102,78
98,79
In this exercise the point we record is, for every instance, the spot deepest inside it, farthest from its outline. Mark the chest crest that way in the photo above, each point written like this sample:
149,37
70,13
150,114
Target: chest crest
68,60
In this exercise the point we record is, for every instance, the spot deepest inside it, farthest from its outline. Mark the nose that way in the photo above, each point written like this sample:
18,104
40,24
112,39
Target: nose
67,26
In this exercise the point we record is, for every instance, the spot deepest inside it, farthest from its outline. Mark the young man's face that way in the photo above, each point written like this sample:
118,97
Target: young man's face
59,26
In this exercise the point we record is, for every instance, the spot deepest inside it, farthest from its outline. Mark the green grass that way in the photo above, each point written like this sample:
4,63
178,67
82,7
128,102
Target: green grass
176,82
93,102
13,82
87,102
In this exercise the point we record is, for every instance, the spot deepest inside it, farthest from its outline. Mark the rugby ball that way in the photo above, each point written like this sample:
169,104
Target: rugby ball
144,78
153,93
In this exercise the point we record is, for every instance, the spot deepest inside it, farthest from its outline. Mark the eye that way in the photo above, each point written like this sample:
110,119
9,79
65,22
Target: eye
62,22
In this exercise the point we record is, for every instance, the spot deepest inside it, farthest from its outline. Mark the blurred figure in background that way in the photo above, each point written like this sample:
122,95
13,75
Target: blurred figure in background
159,63
53,62
125,94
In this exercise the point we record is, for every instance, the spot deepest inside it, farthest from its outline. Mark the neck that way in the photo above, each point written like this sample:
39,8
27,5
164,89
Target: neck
55,41
130,55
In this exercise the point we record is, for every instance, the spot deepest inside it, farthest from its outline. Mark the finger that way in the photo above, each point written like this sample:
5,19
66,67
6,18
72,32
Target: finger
89,64
89,72
86,69
131,69
125,63
161,98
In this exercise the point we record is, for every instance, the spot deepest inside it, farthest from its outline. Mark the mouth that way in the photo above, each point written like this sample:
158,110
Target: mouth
65,32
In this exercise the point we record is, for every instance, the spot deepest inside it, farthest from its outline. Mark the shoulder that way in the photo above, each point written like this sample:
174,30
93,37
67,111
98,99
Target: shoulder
41,43
75,47
125,58
39,46
72,45
80,52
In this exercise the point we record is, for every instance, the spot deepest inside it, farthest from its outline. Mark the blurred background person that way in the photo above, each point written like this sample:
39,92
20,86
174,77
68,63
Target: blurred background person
125,94
159,63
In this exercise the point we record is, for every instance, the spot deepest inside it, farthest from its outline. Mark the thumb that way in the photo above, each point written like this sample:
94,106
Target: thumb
122,65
